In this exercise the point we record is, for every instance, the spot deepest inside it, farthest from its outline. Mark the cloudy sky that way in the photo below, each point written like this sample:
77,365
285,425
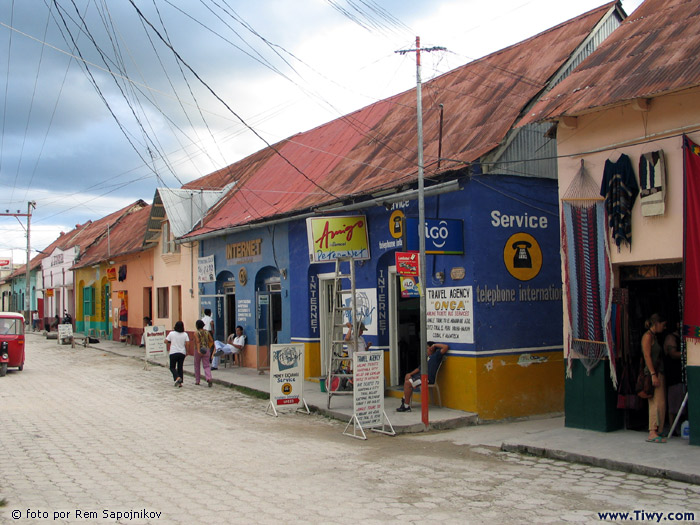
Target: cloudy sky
97,111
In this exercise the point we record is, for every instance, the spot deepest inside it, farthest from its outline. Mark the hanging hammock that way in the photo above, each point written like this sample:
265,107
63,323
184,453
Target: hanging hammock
587,275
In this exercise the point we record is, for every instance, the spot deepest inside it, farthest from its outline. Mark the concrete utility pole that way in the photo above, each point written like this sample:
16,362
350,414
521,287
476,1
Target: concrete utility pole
27,293
424,393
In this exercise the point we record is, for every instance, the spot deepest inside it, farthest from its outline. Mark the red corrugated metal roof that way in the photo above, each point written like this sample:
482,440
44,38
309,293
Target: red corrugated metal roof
375,148
655,51
125,237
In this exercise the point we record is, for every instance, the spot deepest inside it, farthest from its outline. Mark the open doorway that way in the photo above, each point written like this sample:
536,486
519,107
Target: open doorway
404,324
230,310
651,289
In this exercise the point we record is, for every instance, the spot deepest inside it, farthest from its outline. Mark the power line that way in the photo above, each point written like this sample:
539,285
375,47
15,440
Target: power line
226,105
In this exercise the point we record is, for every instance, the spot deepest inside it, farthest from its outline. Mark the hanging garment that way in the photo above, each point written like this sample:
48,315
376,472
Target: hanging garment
691,295
620,190
652,180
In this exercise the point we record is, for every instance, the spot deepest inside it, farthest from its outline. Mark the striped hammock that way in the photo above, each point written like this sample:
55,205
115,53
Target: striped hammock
588,284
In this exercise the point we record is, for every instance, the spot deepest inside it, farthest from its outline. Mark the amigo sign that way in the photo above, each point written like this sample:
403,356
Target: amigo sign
333,237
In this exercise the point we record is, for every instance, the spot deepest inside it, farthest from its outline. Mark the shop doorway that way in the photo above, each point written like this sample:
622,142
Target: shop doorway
268,321
229,310
649,289
404,326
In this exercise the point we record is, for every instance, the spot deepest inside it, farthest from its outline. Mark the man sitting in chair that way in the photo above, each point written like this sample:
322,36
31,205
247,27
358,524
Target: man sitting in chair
234,345
436,351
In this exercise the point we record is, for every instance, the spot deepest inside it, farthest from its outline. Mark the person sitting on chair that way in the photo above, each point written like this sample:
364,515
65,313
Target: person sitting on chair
436,351
234,345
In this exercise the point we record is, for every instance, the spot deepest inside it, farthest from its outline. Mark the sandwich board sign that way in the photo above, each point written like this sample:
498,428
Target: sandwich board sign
368,395
65,332
287,378
154,339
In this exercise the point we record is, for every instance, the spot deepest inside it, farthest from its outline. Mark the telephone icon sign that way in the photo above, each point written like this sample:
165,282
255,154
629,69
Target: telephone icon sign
522,256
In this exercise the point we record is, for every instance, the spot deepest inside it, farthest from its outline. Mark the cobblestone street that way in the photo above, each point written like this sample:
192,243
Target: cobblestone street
86,435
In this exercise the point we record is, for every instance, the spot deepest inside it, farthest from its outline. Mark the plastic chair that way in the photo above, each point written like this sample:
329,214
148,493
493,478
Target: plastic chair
434,386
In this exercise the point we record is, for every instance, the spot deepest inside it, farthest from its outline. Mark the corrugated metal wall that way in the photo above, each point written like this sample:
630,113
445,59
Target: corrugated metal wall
529,143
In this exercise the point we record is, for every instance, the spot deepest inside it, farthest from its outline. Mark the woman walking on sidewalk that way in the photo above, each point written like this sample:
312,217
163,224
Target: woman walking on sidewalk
177,341
203,343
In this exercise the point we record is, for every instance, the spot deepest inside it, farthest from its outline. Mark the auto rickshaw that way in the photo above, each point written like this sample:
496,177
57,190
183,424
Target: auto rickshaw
11,341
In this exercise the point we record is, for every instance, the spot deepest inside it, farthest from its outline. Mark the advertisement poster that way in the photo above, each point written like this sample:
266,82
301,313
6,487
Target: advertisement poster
332,237
154,338
410,287
287,375
450,313
366,305
205,269
407,264
368,388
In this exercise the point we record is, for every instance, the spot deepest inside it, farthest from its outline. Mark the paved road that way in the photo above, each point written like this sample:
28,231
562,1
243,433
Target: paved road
86,435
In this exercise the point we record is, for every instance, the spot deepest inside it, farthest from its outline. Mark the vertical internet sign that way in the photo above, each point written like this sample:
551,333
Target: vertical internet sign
333,237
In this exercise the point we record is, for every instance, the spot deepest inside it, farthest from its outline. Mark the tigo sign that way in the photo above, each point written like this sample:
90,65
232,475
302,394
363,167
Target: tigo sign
442,236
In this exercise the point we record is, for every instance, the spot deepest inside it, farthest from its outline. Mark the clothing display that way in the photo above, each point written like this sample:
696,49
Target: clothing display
620,189
652,181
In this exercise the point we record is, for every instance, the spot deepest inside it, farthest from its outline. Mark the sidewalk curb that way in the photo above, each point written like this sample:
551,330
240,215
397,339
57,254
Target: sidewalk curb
610,464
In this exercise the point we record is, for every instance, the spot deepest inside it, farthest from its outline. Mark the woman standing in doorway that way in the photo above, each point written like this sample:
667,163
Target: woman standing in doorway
203,341
177,341
654,366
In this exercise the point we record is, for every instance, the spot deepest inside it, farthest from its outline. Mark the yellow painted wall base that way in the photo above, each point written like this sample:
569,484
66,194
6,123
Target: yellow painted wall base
504,386
493,387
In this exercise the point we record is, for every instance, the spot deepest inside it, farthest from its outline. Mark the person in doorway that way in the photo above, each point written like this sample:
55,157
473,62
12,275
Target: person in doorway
35,321
208,321
54,324
412,381
177,341
674,372
203,347
234,345
652,352
146,322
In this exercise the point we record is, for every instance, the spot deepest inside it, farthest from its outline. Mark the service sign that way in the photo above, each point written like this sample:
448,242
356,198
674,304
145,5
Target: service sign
5,262
287,375
407,264
333,237
112,274
442,236
154,337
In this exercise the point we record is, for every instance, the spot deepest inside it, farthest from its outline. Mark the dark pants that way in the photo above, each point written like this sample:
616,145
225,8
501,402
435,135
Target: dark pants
176,362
